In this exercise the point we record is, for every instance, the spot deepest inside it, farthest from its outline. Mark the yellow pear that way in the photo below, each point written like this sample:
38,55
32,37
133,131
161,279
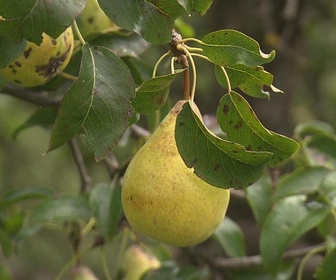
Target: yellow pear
137,262
94,20
81,272
163,198
40,63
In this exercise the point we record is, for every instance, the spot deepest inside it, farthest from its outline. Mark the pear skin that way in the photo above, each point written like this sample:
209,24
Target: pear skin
137,262
163,198
38,64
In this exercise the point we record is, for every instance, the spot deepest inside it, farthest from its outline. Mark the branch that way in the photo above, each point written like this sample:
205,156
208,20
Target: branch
86,181
252,261
41,98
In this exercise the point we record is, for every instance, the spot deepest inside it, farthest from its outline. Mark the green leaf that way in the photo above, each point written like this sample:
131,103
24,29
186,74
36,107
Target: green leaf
231,238
249,80
123,46
237,119
152,94
59,210
171,8
313,128
10,50
327,269
44,117
259,197
196,6
105,201
12,197
141,17
221,163
6,244
97,105
30,18
231,47
301,181
288,220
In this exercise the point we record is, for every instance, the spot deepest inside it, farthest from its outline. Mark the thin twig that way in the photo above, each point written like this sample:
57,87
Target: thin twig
86,181
41,98
253,261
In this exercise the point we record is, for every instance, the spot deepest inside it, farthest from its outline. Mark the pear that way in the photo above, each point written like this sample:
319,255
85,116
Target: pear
81,272
94,20
163,198
137,262
40,63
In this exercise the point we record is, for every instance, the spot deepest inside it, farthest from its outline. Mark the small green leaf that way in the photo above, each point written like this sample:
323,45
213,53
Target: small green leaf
105,201
221,163
44,117
301,181
196,6
327,269
249,80
141,17
10,50
259,197
29,19
97,105
288,220
231,238
14,196
237,119
59,210
231,47
152,94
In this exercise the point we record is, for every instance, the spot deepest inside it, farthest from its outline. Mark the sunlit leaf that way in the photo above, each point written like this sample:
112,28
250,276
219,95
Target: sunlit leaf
237,119
153,93
30,18
97,105
248,79
221,163
231,238
141,17
231,47
288,220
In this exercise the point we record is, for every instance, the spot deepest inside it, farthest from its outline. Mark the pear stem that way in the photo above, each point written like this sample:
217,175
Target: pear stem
79,34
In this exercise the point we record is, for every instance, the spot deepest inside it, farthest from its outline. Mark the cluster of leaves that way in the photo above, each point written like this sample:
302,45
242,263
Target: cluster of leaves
113,85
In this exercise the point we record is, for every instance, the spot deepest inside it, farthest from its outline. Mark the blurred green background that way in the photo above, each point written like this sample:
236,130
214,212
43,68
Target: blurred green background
302,32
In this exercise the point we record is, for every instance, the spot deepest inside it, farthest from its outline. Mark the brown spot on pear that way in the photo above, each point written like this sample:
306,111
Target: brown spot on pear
38,64
163,198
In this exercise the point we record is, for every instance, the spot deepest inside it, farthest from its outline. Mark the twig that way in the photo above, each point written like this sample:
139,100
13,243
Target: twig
252,261
41,98
86,181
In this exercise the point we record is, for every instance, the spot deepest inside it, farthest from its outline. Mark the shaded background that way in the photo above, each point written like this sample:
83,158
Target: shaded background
303,33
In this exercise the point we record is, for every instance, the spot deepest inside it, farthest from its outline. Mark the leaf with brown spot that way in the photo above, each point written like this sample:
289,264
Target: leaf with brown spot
221,163
242,126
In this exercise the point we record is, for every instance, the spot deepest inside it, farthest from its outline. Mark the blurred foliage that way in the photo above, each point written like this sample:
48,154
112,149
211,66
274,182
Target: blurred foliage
303,33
